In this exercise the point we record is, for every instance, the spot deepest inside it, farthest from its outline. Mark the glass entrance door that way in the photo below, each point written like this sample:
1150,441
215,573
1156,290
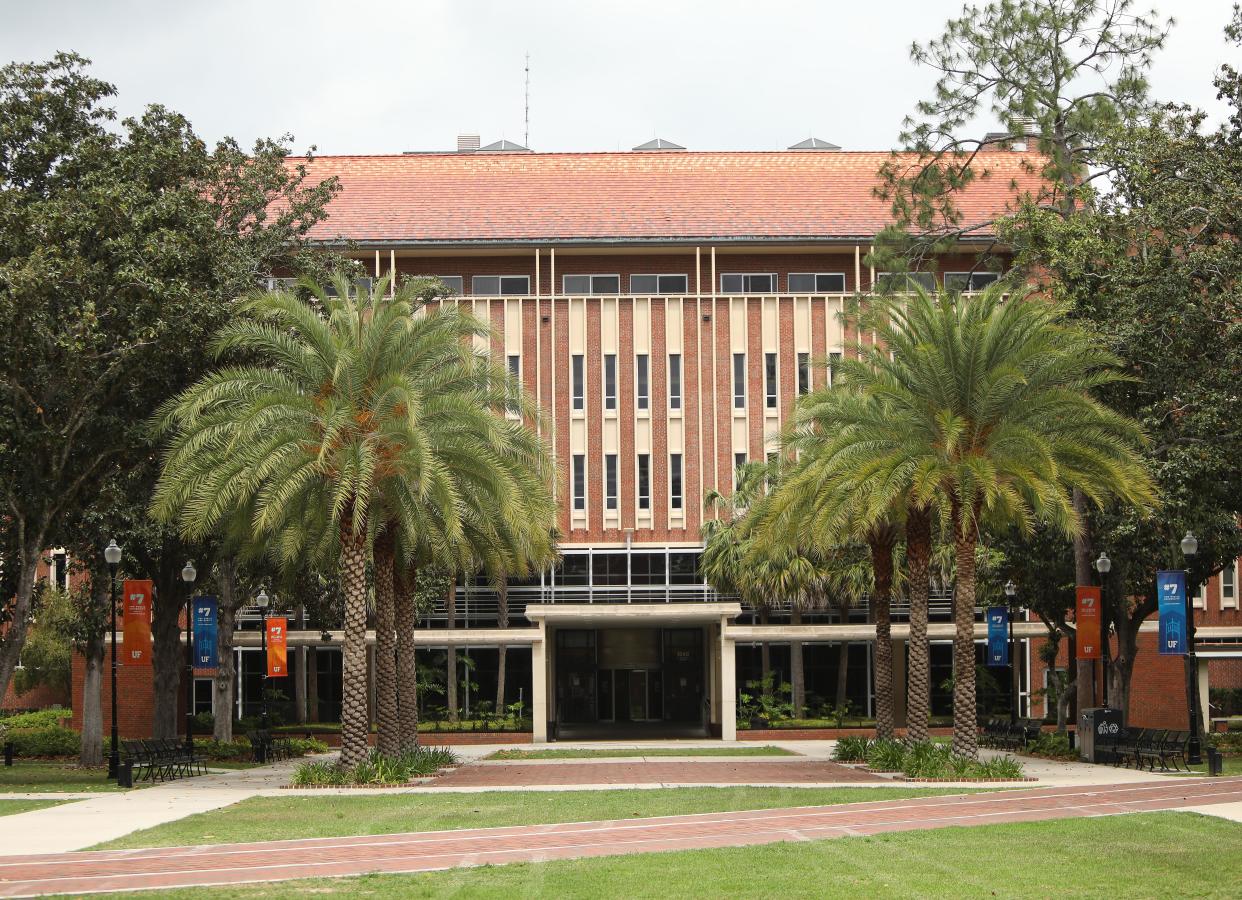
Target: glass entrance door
638,694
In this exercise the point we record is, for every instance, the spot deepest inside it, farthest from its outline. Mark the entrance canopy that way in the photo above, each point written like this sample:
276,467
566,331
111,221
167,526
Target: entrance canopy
605,615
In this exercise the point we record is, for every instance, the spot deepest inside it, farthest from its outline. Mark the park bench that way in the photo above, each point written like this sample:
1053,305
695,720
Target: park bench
1171,748
268,748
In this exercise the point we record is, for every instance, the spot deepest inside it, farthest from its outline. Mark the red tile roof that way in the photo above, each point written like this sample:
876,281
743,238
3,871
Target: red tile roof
673,196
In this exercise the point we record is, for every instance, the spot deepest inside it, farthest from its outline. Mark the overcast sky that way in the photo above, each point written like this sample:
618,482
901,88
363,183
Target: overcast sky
369,76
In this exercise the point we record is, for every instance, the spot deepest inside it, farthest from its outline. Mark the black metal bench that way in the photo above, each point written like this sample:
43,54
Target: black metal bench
268,748
1171,748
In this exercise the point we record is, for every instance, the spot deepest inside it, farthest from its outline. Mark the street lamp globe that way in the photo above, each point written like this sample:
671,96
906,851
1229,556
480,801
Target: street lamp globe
1010,588
112,553
189,573
262,600
1103,564
1190,544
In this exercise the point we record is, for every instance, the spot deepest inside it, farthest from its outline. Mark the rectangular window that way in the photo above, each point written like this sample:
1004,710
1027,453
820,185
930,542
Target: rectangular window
739,460
739,380
674,381
674,480
591,285
748,284
769,380
968,281
360,285
804,374
578,364
1229,587
515,372
641,386
500,285
610,481
453,282
833,358
644,481
659,285
579,482
60,571
904,282
610,381
817,282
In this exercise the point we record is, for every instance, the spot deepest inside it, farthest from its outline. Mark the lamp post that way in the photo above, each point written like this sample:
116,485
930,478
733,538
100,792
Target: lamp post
261,601
1011,590
1194,750
112,556
1103,565
188,574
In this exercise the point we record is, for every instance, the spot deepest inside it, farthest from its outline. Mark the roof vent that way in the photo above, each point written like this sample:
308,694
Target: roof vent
467,143
814,143
503,146
659,144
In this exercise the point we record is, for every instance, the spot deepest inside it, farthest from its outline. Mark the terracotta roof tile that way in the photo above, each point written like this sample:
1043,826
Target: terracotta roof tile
680,195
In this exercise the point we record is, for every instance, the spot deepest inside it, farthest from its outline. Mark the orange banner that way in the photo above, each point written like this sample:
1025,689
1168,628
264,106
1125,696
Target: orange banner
1088,621
277,657
136,603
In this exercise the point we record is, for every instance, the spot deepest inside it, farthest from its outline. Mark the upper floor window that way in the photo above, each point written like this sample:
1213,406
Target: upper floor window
817,283
1229,586
739,380
578,374
674,480
674,381
968,281
739,460
769,379
642,388
579,482
500,285
748,284
804,373
360,285
659,284
833,358
610,381
610,481
454,283
591,285
899,282
644,481
515,372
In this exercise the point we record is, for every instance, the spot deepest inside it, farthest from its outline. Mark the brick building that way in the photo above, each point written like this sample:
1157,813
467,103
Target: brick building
665,309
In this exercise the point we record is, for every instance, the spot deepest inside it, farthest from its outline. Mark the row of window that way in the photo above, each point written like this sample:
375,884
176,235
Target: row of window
642,368
730,283
642,467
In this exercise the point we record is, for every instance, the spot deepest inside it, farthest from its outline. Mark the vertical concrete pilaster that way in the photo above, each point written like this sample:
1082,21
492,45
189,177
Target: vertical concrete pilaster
728,689
539,686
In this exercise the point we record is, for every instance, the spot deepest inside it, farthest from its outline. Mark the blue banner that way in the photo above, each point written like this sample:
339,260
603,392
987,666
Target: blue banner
205,651
998,636
1171,596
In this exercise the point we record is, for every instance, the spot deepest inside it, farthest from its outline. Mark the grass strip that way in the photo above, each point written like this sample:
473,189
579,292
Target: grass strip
627,752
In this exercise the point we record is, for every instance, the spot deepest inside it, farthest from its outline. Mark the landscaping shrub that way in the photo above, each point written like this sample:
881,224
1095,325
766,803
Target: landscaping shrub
851,749
926,760
50,740
886,755
1001,767
42,718
375,769
1228,743
1052,746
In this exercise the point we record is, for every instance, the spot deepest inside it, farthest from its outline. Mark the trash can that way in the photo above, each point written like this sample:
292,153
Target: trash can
1098,729
1213,762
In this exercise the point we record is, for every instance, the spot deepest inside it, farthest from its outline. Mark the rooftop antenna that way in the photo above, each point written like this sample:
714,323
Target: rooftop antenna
526,133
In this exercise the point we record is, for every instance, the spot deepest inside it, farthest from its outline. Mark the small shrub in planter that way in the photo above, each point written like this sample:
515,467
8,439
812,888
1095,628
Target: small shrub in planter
886,755
375,769
926,759
42,718
851,749
1053,746
50,740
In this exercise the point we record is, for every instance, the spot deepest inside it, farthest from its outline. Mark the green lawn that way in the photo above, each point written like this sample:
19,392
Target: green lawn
1147,855
12,807
1230,765
266,818
633,751
39,776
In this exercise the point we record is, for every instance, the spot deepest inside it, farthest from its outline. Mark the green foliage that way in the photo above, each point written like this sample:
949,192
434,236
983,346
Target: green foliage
376,769
926,760
886,755
42,718
765,700
851,749
48,740
1053,746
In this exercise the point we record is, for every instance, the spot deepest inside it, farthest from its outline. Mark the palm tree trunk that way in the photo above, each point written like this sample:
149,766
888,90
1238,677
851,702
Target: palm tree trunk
965,717
881,540
407,673
226,674
502,620
354,716
765,656
388,740
918,570
796,675
450,683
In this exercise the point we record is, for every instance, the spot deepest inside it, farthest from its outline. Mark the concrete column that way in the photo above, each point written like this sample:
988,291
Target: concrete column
539,686
1201,682
299,686
728,689
713,672
899,683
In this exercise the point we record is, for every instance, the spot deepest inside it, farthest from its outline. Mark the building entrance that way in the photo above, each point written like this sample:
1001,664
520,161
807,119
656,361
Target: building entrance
613,682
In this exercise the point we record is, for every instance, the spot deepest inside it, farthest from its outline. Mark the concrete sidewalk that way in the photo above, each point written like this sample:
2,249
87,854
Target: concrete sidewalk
104,816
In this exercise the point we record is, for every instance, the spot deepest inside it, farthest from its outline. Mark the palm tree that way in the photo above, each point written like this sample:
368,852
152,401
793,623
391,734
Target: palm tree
982,406
352,416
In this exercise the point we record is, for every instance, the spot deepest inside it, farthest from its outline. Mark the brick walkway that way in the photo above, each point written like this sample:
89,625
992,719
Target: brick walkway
656,771
86,872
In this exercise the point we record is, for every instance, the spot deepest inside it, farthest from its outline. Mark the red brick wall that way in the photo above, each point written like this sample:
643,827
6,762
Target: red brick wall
135,698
